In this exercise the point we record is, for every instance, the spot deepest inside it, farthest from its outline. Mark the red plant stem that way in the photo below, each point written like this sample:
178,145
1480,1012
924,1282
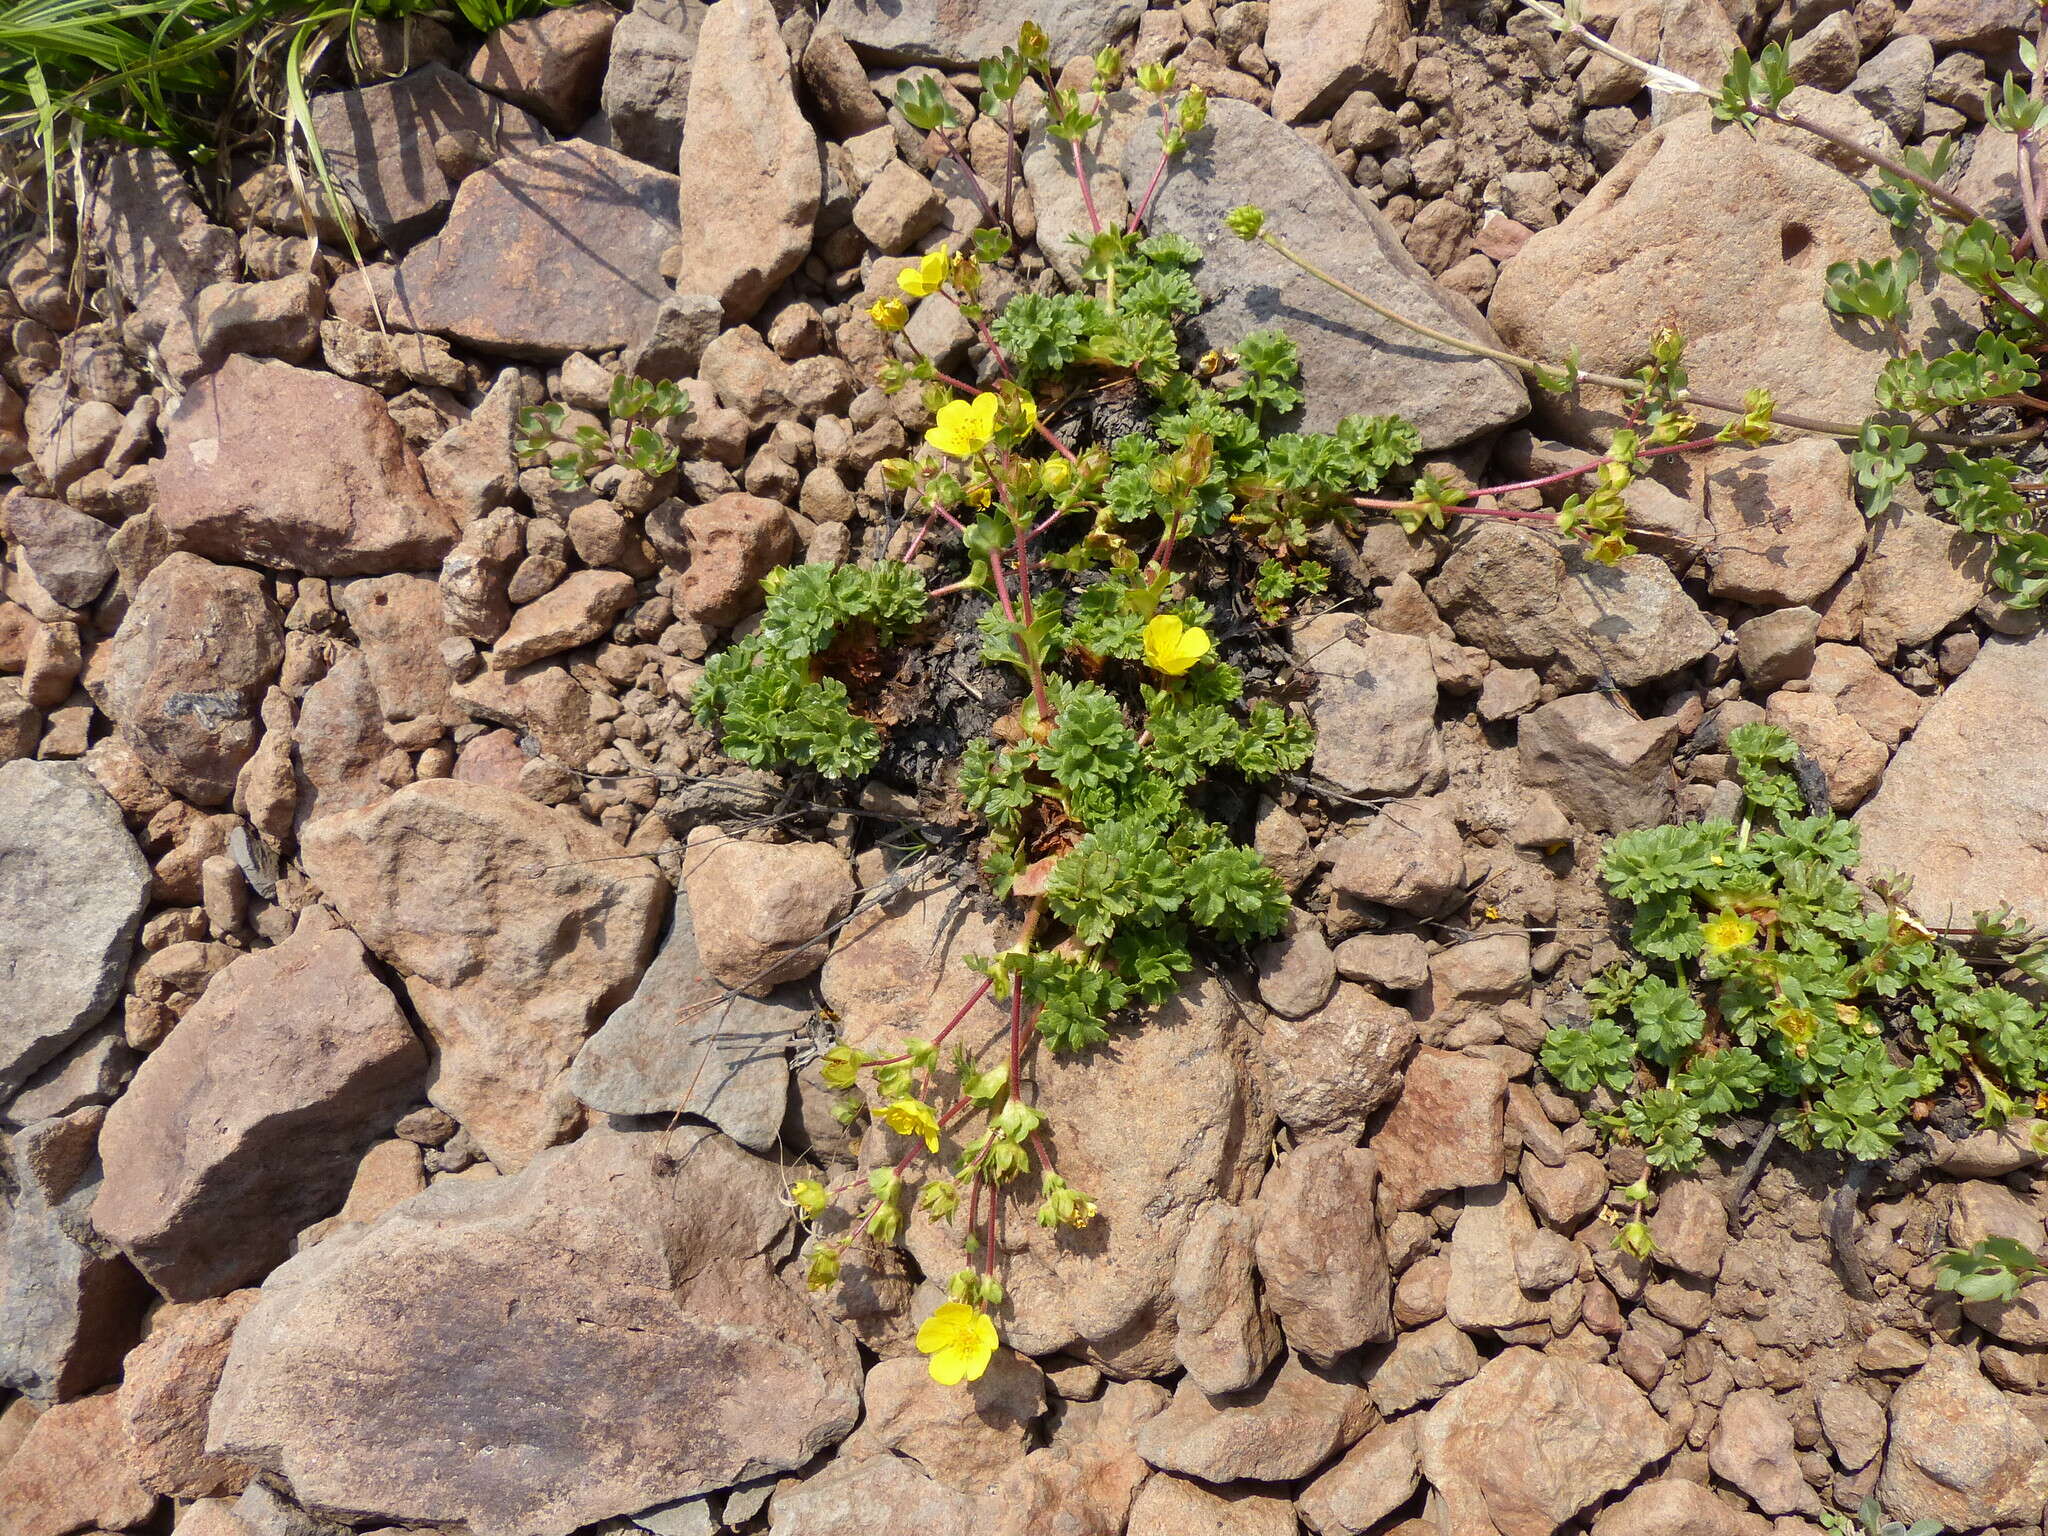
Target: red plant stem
940,1038
924,528
1691,445
1087,192
995,564
1016,1031
1151,190
974,1203
2030,178
1010,163
973,181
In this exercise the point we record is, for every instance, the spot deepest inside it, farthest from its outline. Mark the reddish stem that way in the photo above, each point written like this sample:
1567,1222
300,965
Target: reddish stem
973,181
940,1038
1087,192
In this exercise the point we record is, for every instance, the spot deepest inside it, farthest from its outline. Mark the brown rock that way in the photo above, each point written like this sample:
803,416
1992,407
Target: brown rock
1444,1132
1752,1449
1376,1477
1566,1195
1922,575
243,1125
1179,1506
734,541
1320,1253
1847,757
1424,1364
341,743
1332,1070
1286,1427
575,613
185,674
61,551
295,470
550,64
1409,856
1853,1423
1672,1506
1786,523
385,1376
1374,708
963,1436
1327,49
1223,1335
1690,1228
514,927
1485,1293
1961,1451
398,621
1885,707
750,169
543,700
167,1387
500,276
1595,1429
765,911
1607,766
72,1473
159,248
845,1496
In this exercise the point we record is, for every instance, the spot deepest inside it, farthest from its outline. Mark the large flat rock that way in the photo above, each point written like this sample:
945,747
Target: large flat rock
964,32
547,253
73,886
604,1333
1352,361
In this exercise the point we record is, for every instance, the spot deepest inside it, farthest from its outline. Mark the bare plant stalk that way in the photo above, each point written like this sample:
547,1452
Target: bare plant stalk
1087,192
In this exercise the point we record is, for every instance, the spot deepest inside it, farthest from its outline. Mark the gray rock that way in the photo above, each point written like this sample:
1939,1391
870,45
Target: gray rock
60,549
601,1334
1351,360
1608,768
379,143
963,32
1374,708
647,85
1893,84
73,887
91,1072
682,1044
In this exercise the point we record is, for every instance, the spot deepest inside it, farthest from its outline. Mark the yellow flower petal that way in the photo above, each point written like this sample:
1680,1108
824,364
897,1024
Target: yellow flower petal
928,276
960,1340
889,314
964,427
1173,647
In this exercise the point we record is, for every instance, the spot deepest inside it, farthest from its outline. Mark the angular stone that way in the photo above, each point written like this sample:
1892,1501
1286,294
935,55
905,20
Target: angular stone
1351,360
69,1304
1608,768
964,32
379,143
847,1495
296,470
1332,1070
1525,602
633,1272
514,927
1690,1228
647,83
1970,826
1327,49
1750,293
734,540
1180,1506
1444,1132
1320,1253
544,701
1786,523
1849,758
1424,1364
768,908
1922,574
550,64
1752,1449
244,1125
506,278
1533,1439
158,246
73,887
167,1387
1672,1506
1409,856
1376,1477
61,550
682,1044
397,620
1961,1451
1853,1423
340,743
574,613
964,1436
1374,709
72,1473
1223,1335
1286,1427
750,169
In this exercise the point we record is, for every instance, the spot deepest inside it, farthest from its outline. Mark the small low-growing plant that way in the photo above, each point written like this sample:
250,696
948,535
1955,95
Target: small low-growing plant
1764,977
1869,1520
574,453
1995,1269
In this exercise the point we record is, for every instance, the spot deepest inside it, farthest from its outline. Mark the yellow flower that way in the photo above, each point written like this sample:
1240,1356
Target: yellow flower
1725,932
961,1342
910,1117
1172,647
965,426
809,1196
1055,475
928,276
889,314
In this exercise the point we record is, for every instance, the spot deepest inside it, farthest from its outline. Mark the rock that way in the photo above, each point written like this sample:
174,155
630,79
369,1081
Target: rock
501,278
386,1376
898,209
157,244
1444,1132
1752,303
1786,524
473,468
1351,360
514,927
1319,1251
1393,962
734,541
167,1387
73,887
1223,1335
1566,1195
1921,576
92,1072
1992,181
1826,56
62,551
1893,84
1409,857
1777,647
682,328
340,743
962,1436
1327,49
1296,970
647,83
1376,1477
844,1497
1087,1478
1982,25
1332,1069
1286,1427
69,1305
575,613
211,1176
1374,709
72,1473
379,143
1609,768
1423,1364
839,86
1690,1228
750,168
397,620
1485,1292
1179,1506
1854,1425
767,910
1752,1449
1672,1506
966,31
295,470
551,64
1526,602
1965,824
1961,1452
543,700
184,675
1847,756
1597,1432
683,1045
